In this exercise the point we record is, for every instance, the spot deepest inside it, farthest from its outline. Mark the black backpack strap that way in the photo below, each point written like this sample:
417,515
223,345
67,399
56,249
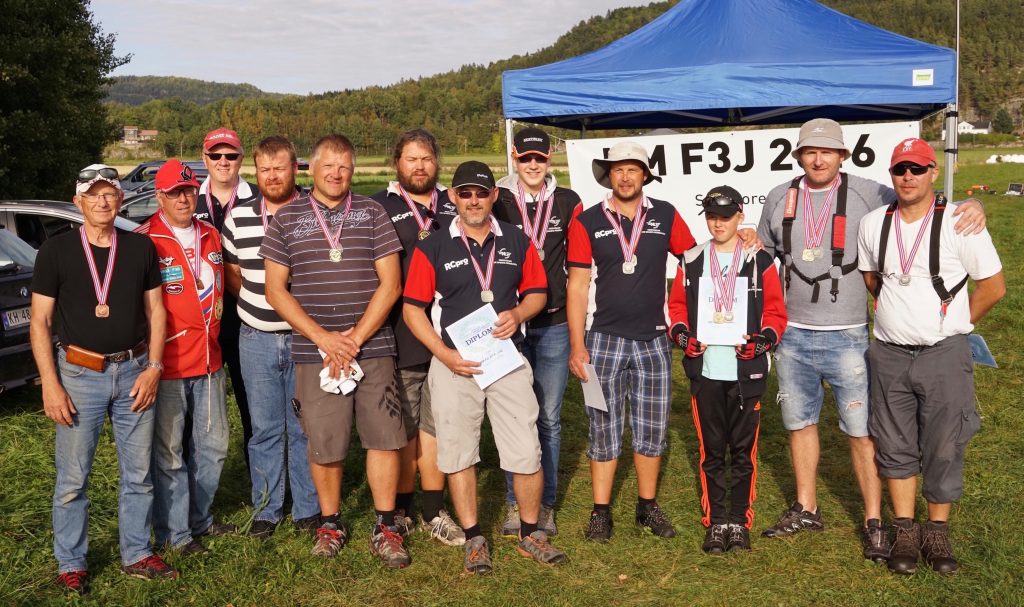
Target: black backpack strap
839,238
838,270
933,258
883,243
788,216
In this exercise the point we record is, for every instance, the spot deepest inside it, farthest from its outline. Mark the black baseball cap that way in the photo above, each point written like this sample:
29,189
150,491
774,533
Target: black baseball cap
473,172
722,201
531,141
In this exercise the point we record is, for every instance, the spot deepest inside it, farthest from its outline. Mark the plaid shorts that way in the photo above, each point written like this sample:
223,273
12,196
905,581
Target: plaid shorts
641,370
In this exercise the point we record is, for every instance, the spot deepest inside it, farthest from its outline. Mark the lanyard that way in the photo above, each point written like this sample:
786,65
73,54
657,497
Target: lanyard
197,258
628,249
533,229
423,222
814,227
725,286
907,260
333,241
102,290
228,207
483,279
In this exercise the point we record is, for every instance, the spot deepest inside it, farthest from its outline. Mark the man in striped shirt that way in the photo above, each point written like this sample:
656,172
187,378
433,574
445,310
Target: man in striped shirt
264,345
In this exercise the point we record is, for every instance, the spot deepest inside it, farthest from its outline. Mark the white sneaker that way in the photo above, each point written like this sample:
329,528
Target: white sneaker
444,529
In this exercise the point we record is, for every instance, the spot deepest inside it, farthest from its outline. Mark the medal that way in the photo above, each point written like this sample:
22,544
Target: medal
335,254
807,255
729,316
907,259
628,267
540,253
218,308
724,285
227,208
332,239
102,290
628,248
817,252
486,294
422,221
199,285
537,229
814,227
904,279
422,234
718,318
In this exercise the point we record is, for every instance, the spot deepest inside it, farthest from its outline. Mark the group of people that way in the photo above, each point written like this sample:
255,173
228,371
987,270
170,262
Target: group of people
330,309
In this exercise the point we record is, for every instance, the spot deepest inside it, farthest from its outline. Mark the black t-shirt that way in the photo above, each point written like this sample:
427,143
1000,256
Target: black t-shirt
62,272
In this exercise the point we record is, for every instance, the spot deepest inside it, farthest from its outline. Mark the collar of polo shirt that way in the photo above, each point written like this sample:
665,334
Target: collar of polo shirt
453,227
607,199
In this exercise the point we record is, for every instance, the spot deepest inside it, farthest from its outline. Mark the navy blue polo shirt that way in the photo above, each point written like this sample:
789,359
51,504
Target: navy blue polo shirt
441,271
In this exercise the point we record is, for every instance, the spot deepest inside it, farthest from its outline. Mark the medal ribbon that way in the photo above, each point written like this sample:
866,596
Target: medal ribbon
197,259
814,227
484,280
231,201
422,222
628,249
905,260
323,224
725,287
263,209
532,228
101,289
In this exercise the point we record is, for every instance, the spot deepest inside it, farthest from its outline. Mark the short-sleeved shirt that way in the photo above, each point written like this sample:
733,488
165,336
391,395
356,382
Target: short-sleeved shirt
62,272
441,271
215,211
630,306
335,295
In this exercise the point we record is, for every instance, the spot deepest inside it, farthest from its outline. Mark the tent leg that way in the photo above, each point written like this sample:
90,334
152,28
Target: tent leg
951,151
508,144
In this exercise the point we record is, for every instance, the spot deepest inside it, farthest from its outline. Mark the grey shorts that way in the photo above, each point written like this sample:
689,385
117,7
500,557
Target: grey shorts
327,418
923,413
414,394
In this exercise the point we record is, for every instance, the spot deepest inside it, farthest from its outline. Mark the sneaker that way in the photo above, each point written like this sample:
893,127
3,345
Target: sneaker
510,526
537,547
193,548
217,529
599,527
478,556
715,538
404,523
739,538
875,541
444,529
262,529
936,549
546,521
151,568
386,543
330,539
654,520
795,520
74,582
906,547
307,525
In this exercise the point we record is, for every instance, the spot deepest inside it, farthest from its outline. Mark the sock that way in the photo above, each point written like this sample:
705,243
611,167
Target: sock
386,518
603,508
403,501
903,522
334,519
472,532
433,502
643,504
525,529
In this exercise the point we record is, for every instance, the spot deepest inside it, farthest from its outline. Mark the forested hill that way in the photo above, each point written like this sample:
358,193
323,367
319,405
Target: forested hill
463,107
136,90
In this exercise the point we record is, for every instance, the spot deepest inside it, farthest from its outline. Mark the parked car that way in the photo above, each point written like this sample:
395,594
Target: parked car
36,220
145,173
17,367
303,164
139,207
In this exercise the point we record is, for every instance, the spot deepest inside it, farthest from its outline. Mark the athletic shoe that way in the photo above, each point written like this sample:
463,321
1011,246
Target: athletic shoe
216,529
510,526
599,527
936,549
444,529
875,541
193,548
330,539
403,523
537,547
74,582
795,520
739,538
262,529
386,544
715,539
478,556
546,521
906,547
151,568
654,520
307,525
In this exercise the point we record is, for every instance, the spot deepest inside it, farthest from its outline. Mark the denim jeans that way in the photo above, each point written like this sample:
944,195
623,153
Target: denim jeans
185,489
547,349
277,438
95,395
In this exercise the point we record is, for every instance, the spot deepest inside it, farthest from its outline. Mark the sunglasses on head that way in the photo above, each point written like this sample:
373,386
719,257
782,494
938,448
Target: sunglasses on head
218,155
468,194
915,169
90,174
720,201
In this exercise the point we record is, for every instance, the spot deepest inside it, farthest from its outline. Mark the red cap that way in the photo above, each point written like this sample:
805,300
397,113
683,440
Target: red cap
173,175
219,136
913,150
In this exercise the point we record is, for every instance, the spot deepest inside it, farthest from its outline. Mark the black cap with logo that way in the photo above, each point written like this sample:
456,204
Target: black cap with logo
473,172
531,141
722,201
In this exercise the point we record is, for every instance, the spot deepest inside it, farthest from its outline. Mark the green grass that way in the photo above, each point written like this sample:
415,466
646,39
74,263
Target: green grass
633,569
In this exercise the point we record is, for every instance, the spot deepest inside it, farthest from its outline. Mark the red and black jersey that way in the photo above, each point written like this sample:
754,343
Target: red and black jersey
631,306
441,270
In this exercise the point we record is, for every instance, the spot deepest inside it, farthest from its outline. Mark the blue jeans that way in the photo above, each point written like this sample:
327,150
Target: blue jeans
95,395
269,376
185,490
547,349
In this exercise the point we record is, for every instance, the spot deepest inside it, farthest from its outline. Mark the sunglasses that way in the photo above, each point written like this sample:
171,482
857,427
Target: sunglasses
232,156
178,193
468,194
915,169
527,159
720,201
90,174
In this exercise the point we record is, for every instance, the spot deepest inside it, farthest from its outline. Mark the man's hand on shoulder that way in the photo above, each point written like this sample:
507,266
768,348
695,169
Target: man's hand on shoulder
971,215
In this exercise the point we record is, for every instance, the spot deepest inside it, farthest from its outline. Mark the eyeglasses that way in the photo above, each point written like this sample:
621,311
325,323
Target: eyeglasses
186,192
215,156
107,197
527,159
469,194
915,169
90,174
720,201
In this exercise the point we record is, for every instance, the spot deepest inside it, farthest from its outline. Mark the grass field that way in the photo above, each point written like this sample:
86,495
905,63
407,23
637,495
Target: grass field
633,569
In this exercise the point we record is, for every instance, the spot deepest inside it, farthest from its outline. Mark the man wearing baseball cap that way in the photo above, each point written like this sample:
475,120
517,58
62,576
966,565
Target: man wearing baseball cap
192,385
922,374
531,199
810,224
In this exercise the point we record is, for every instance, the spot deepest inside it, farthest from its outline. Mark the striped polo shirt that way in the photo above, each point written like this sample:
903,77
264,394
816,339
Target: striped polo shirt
334,294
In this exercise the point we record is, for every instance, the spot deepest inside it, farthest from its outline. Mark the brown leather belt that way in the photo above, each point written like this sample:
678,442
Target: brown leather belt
119,357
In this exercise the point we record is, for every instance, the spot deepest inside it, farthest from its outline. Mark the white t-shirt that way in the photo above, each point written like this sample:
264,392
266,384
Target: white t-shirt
910,314
187,238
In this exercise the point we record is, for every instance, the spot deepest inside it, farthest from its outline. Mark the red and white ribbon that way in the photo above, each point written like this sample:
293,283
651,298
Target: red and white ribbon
102,289
263,209
628,248
482,278
537,229
814,227
331,240
197,259
424,221
907,260
231,201
725,286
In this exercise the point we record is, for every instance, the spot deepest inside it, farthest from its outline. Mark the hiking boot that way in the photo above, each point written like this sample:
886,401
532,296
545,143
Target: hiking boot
404,523
739,538
715,538
653,519
510,526
795,520
936,549
478,556
217,529
599,527
151,568
330,539
906,547
307,525
74,582
444,529
875,541
546,521
386,543
262,529
537,547
193,548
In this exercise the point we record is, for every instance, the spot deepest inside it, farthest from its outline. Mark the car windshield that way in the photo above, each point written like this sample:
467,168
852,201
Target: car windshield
15,253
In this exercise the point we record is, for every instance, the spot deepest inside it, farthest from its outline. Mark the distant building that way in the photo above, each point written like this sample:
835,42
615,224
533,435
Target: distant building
981,127
148,134
130,134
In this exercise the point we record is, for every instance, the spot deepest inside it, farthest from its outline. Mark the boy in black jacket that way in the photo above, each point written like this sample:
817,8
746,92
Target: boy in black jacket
726,382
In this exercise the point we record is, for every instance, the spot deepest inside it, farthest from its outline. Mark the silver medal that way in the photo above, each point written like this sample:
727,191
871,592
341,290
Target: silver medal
628,267
487,296
335,255
817,252
904,279
540,253
728,316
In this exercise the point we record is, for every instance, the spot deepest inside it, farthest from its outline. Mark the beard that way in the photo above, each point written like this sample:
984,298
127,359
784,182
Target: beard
417,185
280,193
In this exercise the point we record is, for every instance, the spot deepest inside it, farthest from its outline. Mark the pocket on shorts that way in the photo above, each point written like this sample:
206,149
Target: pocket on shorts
970,424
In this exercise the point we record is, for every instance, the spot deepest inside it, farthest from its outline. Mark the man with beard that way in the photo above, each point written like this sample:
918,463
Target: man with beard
417,207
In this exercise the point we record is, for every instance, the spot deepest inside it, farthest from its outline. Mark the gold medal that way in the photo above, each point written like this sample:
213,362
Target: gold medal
718,318
102,311
423,234
807,255
335,255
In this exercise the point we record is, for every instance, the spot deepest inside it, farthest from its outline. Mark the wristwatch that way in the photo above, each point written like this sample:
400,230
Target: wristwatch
155,365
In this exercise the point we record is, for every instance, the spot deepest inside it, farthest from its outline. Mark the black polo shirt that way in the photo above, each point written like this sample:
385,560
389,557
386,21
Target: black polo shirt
441,271
628,305
214,213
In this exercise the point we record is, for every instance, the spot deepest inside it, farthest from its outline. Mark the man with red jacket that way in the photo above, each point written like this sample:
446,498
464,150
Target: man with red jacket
192,384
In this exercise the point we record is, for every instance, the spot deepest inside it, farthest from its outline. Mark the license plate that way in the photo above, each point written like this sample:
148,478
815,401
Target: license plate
18,317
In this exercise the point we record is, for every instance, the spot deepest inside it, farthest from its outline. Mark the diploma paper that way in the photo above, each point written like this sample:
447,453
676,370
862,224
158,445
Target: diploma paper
472,338
721,334
593,396
980,352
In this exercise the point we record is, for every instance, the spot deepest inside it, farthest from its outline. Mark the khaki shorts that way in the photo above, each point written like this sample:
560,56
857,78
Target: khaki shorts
459,406
327,418
414,394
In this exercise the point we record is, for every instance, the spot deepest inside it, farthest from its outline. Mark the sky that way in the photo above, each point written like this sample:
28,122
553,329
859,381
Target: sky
312,46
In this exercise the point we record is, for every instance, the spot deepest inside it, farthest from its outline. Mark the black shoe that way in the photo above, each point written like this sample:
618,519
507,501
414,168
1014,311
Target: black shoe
906,547
739,537
653,519
599,527
262,529
192,548
875,541
936,549
307,525
217,529
715,538
795,520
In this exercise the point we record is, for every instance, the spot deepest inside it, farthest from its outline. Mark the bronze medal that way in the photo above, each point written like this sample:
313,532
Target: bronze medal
102,311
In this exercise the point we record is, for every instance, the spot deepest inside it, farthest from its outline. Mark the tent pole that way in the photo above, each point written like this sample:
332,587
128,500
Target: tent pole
508,145
952,119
